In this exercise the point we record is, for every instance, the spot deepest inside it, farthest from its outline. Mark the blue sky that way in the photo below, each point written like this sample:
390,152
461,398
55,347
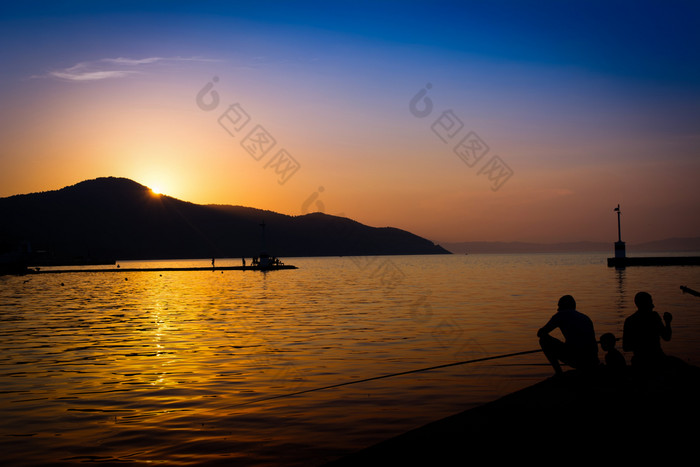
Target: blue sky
632,39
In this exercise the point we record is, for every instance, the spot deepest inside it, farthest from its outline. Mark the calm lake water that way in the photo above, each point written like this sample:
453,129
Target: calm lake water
170,367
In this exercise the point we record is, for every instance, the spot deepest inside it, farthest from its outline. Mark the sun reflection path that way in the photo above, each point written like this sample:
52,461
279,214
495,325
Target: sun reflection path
158,317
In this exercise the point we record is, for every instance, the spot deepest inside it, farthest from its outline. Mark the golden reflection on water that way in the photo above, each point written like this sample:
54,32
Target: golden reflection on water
166,367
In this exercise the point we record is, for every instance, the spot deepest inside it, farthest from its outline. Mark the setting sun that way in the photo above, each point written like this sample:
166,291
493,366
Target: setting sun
157,183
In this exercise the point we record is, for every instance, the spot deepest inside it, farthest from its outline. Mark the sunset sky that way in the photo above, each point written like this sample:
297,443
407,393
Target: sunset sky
537,117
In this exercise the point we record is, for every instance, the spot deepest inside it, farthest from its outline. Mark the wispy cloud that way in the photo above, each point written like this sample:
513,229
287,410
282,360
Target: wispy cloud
113,68
77,73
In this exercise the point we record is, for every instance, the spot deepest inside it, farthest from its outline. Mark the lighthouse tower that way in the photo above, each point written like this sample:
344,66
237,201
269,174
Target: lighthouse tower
619,244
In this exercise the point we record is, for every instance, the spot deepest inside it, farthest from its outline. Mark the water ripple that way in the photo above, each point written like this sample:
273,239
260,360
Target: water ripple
167,367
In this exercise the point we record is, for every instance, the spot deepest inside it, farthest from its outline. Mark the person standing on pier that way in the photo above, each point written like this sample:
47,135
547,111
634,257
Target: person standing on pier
579,349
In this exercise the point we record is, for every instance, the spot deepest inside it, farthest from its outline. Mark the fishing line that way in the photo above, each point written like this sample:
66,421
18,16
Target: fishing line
375,378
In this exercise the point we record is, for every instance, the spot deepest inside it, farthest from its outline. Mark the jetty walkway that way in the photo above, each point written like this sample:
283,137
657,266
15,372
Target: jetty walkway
160,269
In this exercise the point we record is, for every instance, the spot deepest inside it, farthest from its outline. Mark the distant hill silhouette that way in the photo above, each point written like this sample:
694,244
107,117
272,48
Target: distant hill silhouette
661,246
117,218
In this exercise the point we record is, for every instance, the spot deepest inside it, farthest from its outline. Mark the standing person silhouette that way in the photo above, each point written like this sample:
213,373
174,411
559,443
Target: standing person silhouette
643,331
579,349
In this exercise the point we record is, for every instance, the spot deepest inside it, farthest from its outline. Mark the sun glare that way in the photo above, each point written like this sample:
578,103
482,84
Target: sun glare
156,190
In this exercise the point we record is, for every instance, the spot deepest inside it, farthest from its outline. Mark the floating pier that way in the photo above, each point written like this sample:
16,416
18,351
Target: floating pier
654,261
621,260
162,269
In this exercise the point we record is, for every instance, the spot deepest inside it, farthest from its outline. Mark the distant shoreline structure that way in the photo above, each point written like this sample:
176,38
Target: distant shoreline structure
621,260
164,269
654,261
675,246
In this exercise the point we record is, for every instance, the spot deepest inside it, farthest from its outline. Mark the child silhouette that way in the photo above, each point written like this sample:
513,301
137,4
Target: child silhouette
613,358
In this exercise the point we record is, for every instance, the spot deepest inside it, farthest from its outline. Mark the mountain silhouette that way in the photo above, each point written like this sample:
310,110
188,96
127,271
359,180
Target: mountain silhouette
117,218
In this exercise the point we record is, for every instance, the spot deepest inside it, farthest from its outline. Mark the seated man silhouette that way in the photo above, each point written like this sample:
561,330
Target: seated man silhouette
579,349
643,331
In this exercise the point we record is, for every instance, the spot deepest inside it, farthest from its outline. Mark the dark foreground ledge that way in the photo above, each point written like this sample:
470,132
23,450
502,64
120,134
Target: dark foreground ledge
573,417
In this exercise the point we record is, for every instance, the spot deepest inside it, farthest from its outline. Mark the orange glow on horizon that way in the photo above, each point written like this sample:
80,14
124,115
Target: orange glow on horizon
380,168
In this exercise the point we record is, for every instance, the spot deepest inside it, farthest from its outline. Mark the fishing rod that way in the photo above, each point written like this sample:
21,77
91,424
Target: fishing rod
374,378
690,291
